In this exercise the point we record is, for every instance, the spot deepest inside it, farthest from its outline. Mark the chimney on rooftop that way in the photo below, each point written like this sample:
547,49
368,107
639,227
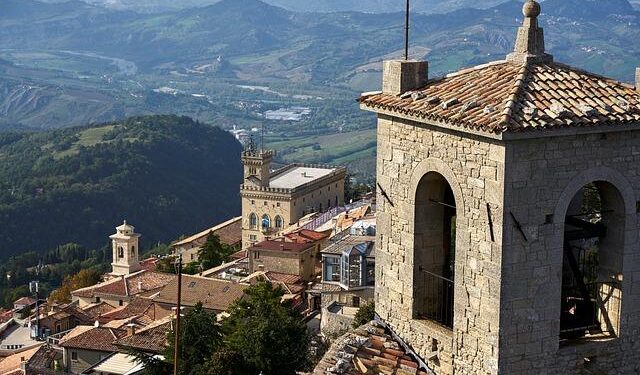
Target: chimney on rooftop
131,329
638,79
400,76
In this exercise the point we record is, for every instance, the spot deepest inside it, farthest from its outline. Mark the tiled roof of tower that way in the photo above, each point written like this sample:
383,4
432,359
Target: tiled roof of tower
507,96
527,91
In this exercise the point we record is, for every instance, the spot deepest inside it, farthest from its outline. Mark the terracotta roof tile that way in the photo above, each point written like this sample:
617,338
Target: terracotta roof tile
214,294
282,245
136,307
512,97
150,339
97,338
12,363
369,349
130,285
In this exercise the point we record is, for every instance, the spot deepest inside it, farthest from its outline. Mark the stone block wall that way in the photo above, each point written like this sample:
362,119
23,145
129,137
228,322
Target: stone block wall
474,168
541,178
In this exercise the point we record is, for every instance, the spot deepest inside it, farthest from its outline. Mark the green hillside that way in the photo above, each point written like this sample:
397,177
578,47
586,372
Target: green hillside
167,175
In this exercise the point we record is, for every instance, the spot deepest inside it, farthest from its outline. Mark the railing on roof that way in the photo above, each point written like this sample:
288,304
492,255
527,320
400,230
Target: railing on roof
324,217
54,340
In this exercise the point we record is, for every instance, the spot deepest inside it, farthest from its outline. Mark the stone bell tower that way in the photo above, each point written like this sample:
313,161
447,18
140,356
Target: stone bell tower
507,214
125,250
257,165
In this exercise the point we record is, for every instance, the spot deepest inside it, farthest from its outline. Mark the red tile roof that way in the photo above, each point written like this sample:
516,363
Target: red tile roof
98,339
306,236
130,285
282,246
150,339
214,294
507,96
374,352
136,307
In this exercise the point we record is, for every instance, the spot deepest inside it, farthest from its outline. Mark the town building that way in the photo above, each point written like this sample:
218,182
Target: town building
87,345
62,320
229,233
215,295
348,271
507,239
348,281
274,200
120,290
280,255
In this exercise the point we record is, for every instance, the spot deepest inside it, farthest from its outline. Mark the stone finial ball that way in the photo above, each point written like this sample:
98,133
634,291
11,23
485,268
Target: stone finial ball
531,9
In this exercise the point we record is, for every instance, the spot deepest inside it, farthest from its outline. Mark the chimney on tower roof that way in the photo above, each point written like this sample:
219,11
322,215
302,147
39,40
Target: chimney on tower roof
530,38
638,79
400,76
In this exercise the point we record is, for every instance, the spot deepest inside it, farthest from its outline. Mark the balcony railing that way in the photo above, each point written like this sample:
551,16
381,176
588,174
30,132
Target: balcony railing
437,298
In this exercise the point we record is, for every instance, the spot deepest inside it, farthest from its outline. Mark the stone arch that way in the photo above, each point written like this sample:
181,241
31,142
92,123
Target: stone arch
599,258
436,204
440,167
253,221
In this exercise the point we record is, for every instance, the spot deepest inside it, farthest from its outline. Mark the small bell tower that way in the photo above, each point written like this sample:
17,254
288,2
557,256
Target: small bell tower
257,165
125,250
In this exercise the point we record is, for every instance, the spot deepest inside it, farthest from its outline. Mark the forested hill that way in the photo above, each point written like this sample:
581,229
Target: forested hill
167,175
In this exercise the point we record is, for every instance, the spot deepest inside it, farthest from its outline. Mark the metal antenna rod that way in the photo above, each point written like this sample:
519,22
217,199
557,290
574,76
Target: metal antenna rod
406,33
176,346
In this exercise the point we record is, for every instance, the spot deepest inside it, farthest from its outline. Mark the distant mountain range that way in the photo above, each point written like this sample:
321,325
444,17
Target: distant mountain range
365,6
166,175
72,63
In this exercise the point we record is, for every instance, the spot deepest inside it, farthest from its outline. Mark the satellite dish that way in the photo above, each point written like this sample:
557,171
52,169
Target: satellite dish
96,324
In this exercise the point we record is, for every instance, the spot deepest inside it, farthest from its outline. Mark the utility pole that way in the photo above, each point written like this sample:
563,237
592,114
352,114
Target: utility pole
406,33
176,346
33,287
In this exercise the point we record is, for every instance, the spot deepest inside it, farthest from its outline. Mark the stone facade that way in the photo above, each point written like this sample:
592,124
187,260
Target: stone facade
489,190
284,206
474,168
507,289
301,262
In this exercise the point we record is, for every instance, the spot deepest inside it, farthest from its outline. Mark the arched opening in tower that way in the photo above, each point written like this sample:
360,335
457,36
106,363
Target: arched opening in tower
592,263
434,250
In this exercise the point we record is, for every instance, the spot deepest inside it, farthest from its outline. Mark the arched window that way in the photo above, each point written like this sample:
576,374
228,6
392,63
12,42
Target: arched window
278,222
253,221
120,252
266,221
133,251
434,250
592,263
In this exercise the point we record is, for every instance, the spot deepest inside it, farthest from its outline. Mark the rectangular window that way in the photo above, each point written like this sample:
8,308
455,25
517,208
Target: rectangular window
74,356
266,203
278,204
253,237
253,201
332,269
120,303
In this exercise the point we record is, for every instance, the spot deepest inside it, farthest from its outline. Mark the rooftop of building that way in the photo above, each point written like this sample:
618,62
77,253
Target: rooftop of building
350,242
229,233
295,176
527,91
214,294
150,339
283,246
117,363
26,301
125,286
13,363
98,339
307,236
369,349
